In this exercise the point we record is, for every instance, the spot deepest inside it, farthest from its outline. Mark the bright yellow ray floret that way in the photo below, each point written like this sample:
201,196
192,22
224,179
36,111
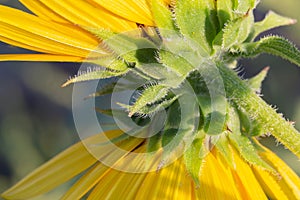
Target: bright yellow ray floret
25,30
218,180
82,13
58,30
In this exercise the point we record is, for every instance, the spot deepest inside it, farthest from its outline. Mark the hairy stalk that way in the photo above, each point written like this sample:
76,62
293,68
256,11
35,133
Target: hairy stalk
274,123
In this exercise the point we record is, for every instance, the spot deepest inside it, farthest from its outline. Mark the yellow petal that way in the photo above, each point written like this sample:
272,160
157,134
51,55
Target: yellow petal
85,14
133,10
96,174
110,183
111,186
39,58
215,181
86,182
270,184
117,185
52,37
23,45
246,181
43,11
171,182
38,42
61,168
290,182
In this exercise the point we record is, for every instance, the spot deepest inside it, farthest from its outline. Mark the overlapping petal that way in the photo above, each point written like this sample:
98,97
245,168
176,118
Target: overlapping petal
288,181
58,30
40,58
247,184
138,11
68,164
43,11
25,30
82,13
218,180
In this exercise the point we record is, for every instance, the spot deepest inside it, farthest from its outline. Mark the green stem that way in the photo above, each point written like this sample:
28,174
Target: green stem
240,93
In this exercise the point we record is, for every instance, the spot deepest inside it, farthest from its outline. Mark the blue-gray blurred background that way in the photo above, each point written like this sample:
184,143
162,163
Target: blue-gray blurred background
36,117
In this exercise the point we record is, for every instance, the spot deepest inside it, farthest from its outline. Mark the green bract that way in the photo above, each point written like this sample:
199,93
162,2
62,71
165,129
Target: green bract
185,66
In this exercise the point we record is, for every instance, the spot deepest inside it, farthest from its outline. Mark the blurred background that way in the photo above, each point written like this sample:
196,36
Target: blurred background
36,117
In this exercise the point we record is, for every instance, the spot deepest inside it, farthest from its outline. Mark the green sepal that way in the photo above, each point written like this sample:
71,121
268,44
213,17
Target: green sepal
272,20
111,62
119,86
255,82
162,16
233,120
144,127
159,106
101,33
107,89
130,46
169,134
245,6
245,123
95,75
225,11
173,116
111,112
172,142
235,4
241,123
211,101
122,114
183,46
149,110
149,96
237,31
274,45
256,129
249,127
154,143
217,42
127,47
175,62
223,147
178,133
157,71
214,122
153,149
193,159
249,152
196,20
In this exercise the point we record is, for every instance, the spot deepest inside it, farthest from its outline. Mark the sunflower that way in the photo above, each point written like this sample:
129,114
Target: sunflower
194,122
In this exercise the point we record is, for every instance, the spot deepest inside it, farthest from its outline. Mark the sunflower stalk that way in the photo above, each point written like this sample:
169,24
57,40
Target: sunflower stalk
271,121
